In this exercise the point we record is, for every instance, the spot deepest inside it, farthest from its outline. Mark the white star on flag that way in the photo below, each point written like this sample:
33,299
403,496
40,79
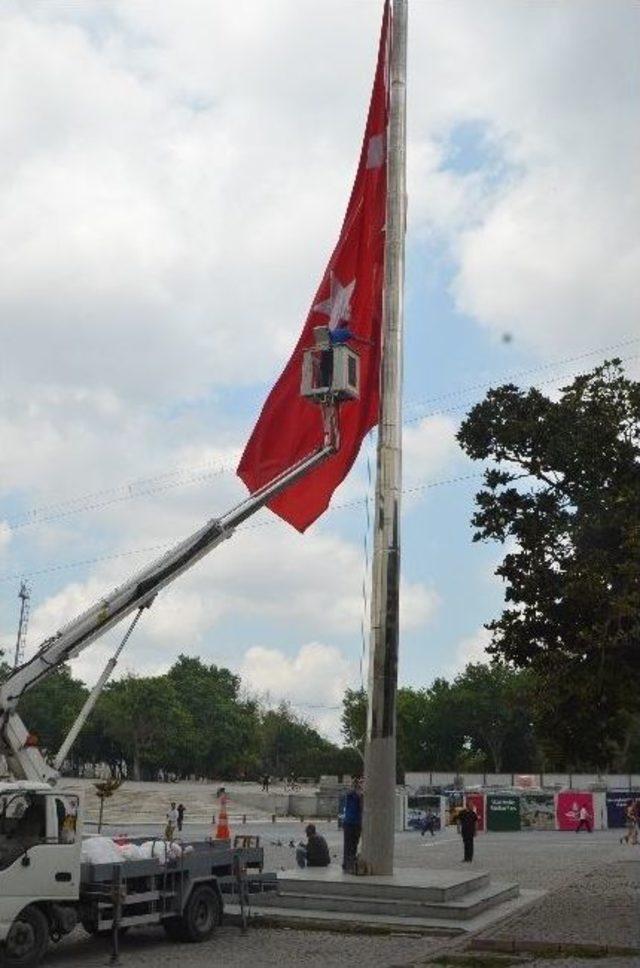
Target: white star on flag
337,307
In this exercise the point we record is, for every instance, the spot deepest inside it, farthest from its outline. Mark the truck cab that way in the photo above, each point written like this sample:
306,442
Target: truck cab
40,844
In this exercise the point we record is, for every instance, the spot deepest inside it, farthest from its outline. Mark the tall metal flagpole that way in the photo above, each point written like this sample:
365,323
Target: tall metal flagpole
380,751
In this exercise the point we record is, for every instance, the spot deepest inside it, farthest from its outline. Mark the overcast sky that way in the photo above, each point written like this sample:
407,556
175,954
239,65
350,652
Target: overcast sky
172,180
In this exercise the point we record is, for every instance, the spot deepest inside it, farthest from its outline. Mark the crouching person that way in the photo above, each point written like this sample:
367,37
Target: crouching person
315,853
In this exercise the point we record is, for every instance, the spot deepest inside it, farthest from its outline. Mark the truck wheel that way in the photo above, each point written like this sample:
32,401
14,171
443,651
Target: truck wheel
201,915
27,940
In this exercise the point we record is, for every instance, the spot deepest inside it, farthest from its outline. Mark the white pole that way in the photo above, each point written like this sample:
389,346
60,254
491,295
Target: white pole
380,751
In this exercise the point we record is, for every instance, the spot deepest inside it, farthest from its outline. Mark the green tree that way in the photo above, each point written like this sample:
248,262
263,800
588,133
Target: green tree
290,745
493,708
51,707
353,719
430,736
223,726
445,737
145,716
564,491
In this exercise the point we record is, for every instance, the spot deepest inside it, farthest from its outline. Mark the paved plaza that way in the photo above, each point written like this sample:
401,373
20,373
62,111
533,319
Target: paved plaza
592,883
535,859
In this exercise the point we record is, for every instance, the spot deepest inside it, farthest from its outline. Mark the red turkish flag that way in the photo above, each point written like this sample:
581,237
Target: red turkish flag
350,295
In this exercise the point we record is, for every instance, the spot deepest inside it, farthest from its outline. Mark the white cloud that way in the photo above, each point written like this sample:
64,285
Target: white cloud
157,220
5,535
317,675
537,265
418,604
150,210
543,222
162,231
429,447
269,573
470,649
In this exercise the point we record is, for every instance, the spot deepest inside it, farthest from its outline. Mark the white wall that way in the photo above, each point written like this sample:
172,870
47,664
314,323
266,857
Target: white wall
576,781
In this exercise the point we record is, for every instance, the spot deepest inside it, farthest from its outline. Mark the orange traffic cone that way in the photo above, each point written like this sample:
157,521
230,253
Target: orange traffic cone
222,830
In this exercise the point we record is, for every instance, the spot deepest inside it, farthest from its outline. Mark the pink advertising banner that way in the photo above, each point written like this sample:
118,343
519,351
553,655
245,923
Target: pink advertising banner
568,805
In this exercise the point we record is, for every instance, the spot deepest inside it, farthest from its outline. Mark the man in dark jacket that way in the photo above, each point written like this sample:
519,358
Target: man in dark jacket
467,823
315,853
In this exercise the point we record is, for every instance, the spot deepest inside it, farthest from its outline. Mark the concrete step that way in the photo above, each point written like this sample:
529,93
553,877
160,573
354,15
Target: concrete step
342,921
468,906
411,884
382,923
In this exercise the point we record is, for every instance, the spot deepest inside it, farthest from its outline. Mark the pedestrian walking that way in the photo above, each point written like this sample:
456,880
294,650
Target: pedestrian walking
351,826
467,821
180,811
315,853
265,783
428,824
584,820
172,822
631,836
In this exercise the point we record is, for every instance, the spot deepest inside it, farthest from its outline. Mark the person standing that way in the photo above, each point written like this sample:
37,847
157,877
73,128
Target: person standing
584,819
180,811
172,821
467,822
351,826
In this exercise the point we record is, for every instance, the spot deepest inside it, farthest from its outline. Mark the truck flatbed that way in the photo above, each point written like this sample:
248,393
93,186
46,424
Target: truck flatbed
206,858
140,892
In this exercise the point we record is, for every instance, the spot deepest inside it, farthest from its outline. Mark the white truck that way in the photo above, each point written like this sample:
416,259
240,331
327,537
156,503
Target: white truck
45,890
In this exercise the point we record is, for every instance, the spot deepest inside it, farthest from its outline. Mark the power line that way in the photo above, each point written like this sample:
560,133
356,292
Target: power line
46,514
541,383
472,387
159,483
267,522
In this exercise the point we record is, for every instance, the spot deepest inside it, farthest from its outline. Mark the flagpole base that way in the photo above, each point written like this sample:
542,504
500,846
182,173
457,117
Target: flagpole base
379,820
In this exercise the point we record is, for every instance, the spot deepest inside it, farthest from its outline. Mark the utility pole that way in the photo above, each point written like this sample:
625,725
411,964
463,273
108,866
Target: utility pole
380,751
24,595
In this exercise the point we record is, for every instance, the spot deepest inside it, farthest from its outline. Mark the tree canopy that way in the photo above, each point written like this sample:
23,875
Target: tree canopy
563,495
193,720
482,719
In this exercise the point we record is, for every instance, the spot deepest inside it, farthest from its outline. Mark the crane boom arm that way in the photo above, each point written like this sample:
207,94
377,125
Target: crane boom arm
26,762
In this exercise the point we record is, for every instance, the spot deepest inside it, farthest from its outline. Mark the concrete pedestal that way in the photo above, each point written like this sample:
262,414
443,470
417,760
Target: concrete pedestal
436,901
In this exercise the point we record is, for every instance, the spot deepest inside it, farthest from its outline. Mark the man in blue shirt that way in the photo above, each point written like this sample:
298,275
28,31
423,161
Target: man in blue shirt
352,826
